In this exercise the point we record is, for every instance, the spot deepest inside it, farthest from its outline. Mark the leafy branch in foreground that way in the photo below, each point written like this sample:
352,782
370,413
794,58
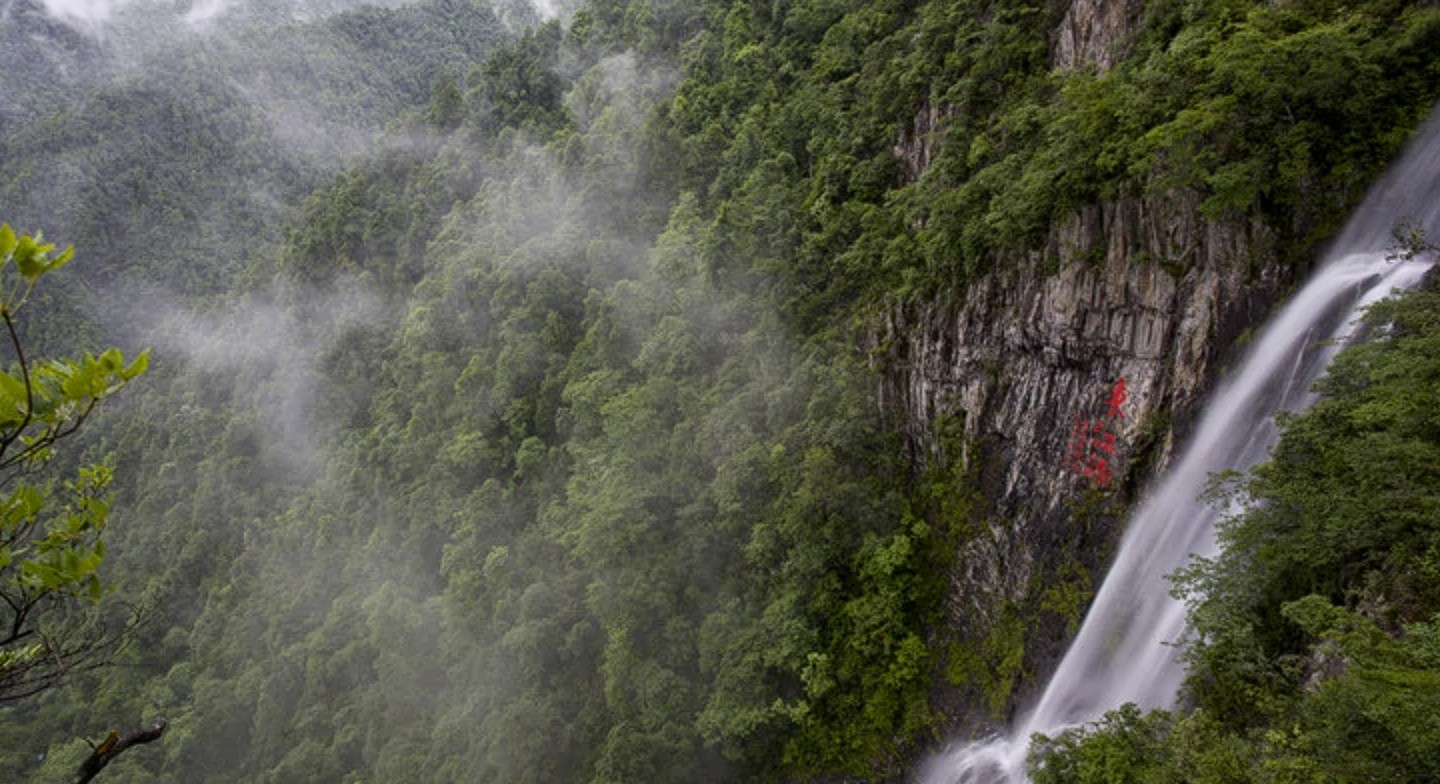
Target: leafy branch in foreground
51,544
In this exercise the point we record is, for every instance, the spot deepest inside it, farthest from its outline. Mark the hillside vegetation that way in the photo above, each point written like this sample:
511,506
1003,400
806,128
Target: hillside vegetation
1316,650
507,420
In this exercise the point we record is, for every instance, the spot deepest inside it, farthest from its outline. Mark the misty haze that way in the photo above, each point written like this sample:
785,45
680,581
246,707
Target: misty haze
632,391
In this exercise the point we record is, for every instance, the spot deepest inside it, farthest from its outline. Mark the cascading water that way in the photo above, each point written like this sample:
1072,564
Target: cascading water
1124,652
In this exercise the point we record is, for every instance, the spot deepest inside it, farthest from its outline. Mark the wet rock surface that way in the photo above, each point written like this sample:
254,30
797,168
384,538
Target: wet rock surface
1031,357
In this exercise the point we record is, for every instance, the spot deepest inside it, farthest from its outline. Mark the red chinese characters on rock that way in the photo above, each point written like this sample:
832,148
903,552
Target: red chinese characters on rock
1092,442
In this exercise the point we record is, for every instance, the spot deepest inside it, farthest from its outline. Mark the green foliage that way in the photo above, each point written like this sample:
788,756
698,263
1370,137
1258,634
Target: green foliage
1124,747
1345,508
50,540
446,108
1260,111
139,166
995,664
1314,655
549,455
519,88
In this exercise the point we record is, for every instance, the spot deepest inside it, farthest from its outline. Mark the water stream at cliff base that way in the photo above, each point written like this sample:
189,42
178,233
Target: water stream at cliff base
1124,651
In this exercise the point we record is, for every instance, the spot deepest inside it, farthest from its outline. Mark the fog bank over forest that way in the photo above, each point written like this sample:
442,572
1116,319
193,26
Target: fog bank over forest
99,18
533,399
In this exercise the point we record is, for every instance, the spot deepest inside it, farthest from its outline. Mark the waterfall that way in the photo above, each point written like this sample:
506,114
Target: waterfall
1124,651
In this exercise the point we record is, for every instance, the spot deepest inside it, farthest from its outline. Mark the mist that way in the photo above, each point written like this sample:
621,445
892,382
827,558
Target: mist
87,15
123,23
281,352
272,341
475,448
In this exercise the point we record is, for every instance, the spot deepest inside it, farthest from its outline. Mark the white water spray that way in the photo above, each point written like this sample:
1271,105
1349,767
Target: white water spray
1124,651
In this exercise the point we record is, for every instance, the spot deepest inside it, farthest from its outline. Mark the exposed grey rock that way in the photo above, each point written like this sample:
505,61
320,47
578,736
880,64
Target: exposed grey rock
1094,32
1327,661
1135,289
1140,289
918,146
1143,289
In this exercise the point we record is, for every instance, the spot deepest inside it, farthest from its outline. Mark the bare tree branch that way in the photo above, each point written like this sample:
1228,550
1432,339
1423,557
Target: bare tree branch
115,743
66,648
9,438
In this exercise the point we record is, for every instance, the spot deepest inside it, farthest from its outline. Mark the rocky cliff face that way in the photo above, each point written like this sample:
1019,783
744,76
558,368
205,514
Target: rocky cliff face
1093,32
1031,359
920,143
1074,371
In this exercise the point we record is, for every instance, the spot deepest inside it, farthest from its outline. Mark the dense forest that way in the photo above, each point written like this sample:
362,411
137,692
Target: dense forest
512,407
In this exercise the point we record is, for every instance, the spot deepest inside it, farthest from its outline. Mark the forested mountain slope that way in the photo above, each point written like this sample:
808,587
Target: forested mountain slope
184,143
588,402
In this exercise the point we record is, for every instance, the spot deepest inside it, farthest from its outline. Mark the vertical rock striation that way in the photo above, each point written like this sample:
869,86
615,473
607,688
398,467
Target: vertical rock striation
1093,32
918,145
1027,357
1140,289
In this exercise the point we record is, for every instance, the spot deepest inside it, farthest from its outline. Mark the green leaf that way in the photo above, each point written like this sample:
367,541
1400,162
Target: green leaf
12,401
30,257
111,360
139,366
62,259
22,505
7,241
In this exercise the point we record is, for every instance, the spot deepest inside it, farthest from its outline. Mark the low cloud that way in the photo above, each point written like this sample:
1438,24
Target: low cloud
85,15
272,345
94,17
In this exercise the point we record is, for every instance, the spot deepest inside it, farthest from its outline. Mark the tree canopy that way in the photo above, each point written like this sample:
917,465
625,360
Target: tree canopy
514,415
